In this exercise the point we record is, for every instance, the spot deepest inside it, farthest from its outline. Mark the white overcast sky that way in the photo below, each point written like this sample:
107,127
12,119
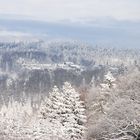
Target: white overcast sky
73,10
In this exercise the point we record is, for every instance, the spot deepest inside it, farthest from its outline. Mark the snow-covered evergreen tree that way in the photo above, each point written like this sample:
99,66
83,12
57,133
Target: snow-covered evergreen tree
66,112
109,81
50,112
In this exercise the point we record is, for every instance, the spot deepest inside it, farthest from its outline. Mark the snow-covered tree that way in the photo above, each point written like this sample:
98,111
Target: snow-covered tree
109,81
51,109
13,118
114,113
66,112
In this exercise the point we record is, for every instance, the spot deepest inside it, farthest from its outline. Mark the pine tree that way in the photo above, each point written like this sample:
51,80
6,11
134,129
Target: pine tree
50,112
109,81
63,108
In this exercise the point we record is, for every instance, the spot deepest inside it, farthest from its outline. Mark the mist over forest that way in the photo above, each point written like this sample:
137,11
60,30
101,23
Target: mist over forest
45,85
69,70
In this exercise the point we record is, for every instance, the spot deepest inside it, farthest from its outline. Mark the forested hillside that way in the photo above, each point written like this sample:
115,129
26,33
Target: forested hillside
70,90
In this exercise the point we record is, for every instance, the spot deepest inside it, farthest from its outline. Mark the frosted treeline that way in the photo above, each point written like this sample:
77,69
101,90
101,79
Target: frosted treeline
101,103
60,116
68,51
108,111
114,108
